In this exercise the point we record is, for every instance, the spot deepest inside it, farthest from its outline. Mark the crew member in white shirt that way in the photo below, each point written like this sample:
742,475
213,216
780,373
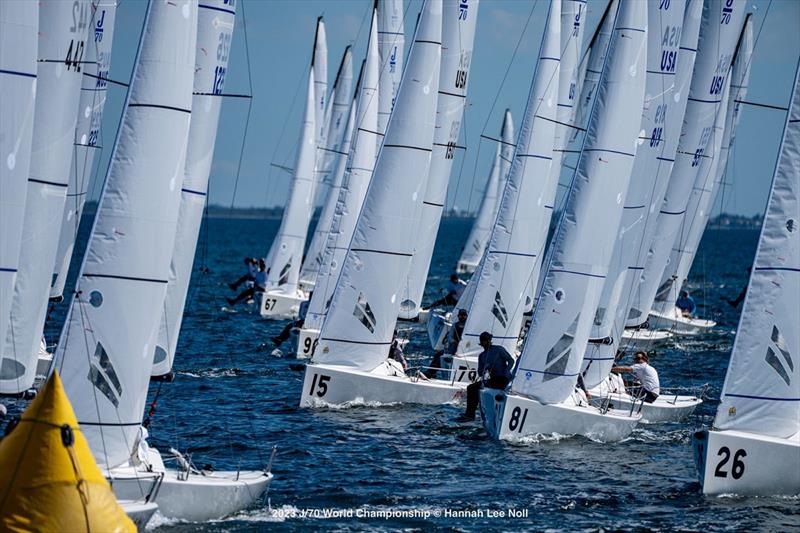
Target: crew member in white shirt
646,375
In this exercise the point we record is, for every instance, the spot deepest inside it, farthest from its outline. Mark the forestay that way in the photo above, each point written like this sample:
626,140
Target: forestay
660,126
516,239
286,253
708,181
719,32
215,23
327,177
583,244
761,393
358,329
61,50
358,173
458,34
19,25
87,132
391,47
104,355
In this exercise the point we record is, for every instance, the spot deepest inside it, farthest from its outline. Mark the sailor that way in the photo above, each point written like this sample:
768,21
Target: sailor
686,304
455,288
277,340
495,361
739,299
251,265
453,338
649,387
260,285
396,353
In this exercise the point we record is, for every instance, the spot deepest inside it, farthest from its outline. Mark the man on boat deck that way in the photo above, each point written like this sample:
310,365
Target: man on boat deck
455,288
250,264
396,353
260,285
649,387
453,338
301,319
498,363
686,304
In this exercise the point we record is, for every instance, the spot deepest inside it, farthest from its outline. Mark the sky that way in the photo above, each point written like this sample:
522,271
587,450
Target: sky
279,36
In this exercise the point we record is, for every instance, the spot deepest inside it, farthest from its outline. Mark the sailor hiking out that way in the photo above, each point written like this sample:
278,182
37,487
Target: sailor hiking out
260,285
649,387
495,361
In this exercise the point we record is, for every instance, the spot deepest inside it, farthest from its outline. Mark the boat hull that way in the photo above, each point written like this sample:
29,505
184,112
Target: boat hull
735,462
673,321
139,512
279,305
644,339
512,417
673,408
307,341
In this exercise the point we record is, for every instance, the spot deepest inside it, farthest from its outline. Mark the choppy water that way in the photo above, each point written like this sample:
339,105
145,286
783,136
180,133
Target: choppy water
234,399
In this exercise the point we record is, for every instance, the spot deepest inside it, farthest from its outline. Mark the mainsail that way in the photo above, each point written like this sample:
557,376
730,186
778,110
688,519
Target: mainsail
62,26
458,33
215,22
582,246
319,64
358,329
87,133
104,355
517,240
19,25
761,393
391,47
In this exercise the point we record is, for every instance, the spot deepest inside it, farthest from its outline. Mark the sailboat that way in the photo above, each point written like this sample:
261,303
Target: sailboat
359,163
543,398
62,26
479,234
19,25
753,447
670,63
391,49
350,361
105,354
720,29
283,296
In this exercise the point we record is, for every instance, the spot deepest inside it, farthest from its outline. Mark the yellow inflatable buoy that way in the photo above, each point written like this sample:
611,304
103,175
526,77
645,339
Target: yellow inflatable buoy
50,481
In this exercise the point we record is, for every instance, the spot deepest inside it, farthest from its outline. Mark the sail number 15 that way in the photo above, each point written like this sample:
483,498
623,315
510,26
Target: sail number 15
319,385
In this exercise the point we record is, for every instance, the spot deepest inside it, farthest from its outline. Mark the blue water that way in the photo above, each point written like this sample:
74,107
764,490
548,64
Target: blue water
233,399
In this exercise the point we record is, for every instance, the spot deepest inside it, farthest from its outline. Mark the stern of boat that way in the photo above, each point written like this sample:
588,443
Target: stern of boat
279,305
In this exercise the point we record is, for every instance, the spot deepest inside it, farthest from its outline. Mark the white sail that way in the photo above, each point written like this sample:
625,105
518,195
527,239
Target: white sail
62,27
582,246
215,23
104,354
19,25
319,63
761,393
87,132
286,253
458,33
660,127
391,46
517,239
478,237
708,180
360,165
719,31
328,180
507,147
358,329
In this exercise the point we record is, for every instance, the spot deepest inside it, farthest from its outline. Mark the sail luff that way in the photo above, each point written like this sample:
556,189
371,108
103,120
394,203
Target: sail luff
104,355
391,47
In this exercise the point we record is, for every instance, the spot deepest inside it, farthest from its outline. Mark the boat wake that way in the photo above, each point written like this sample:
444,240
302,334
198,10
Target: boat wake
317,403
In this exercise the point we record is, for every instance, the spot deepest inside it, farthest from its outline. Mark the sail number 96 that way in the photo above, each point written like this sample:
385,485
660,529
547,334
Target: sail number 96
737,466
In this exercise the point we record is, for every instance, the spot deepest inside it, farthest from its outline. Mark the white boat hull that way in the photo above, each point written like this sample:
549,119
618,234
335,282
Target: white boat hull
672,320
735,462
279,305
328,385
139,512
465,268
673,408
644,339
307,341
513,417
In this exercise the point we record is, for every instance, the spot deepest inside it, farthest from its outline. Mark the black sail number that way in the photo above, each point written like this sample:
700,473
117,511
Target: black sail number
514,423
319,385
737,466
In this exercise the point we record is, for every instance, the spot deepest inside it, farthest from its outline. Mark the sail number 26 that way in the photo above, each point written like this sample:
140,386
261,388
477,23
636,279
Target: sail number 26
737,466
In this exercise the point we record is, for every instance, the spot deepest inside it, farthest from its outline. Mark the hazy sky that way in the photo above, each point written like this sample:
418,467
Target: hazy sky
280,34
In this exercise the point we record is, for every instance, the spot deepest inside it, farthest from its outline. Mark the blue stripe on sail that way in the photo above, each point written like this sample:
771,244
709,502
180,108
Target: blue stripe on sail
785,269
5,269
493,336
547,373
190,191
534,156
635,268
609,151
215,8
665,159
552,58
767,398
634,207
672,212
17,73
631,29
703,101
501,252
599,358
578,273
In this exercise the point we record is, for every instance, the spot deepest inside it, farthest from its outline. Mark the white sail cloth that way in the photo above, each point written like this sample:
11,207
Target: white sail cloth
582,246
286,253
62,26
328,179
104,354
87,132
660,126
517,239
358,173
215,23
19,25
359,326
319,64
761,393
458,34
391,47
719,31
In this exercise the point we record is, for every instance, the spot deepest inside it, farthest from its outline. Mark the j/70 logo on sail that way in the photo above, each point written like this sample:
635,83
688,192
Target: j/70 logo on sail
103,376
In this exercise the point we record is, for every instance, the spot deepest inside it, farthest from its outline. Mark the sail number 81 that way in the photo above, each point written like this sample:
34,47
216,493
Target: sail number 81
737,466
514,423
